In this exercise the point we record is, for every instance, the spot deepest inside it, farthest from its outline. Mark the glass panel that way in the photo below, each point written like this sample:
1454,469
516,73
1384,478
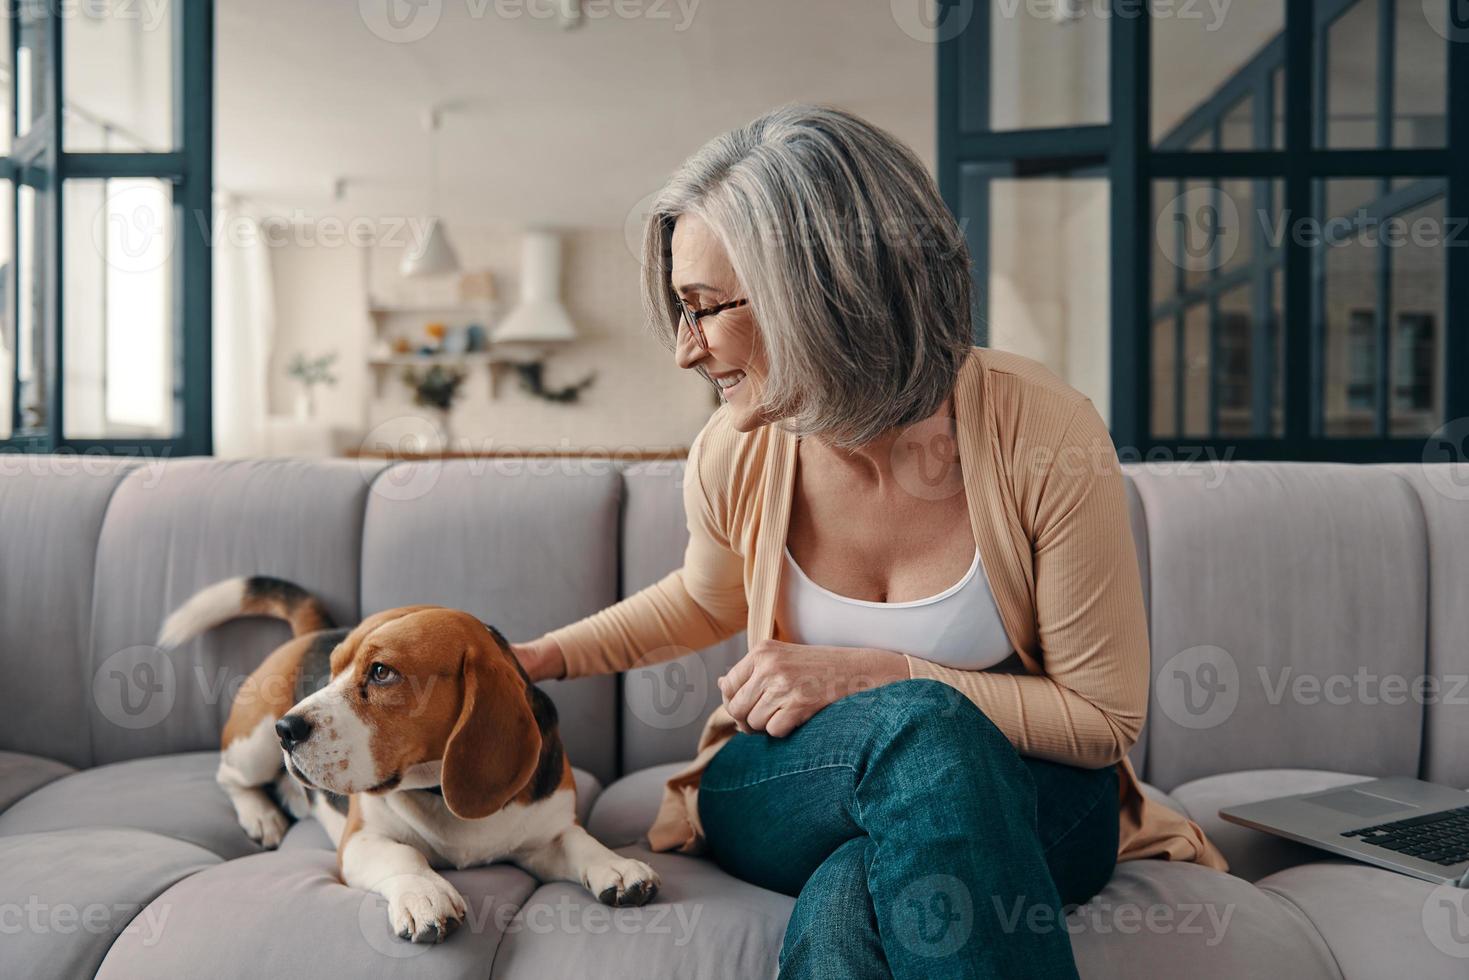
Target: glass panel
1277,121
1420,73
1048,65
5,127
1197,54
1237,129
118,333
1350,334
118,67
1351,77
1165,396
30,64
1216,252
1417,317
1196,371
1048,287
7,325
31,319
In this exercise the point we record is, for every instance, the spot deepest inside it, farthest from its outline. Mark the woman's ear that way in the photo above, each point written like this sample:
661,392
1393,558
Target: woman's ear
496,744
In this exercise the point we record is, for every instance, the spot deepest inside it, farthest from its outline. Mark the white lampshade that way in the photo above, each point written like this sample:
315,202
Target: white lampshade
432,256
539,316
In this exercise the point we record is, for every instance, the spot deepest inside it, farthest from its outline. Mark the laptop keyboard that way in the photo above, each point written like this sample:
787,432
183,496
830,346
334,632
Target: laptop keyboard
1442,838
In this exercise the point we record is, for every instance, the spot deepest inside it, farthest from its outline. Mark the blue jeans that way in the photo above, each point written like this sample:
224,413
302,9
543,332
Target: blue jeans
918,842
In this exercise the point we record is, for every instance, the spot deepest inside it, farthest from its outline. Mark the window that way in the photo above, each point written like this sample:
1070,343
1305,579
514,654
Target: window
107,176
1282,201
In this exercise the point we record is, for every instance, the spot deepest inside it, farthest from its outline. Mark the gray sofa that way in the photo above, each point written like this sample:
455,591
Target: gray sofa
1296,611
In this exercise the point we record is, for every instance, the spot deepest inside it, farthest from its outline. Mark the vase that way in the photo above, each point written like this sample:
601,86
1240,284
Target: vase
305,404
446,430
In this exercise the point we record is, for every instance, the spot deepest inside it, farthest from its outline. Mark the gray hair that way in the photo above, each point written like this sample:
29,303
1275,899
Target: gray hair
855,270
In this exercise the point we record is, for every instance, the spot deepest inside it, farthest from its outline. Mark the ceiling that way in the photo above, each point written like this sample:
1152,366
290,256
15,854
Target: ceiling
546,125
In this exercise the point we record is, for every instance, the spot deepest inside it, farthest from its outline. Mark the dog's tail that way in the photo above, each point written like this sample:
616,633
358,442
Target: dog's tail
255,595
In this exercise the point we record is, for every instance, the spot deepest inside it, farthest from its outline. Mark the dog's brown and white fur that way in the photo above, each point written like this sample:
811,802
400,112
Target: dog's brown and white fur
418,742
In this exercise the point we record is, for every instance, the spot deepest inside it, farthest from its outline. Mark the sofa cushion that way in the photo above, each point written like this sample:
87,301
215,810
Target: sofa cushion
21,773
527,545
288,914
206,520
1253,854
1175,919
67,895
51,512
704,923
1288,605
172,796
1380,924
1443,490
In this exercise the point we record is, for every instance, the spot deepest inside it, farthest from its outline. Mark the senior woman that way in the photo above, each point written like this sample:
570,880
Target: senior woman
928,546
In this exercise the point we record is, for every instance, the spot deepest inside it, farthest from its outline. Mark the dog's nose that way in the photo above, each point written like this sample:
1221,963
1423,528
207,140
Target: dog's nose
292,729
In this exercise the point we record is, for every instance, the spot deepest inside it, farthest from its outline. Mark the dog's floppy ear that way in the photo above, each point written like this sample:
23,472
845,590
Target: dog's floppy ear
496,743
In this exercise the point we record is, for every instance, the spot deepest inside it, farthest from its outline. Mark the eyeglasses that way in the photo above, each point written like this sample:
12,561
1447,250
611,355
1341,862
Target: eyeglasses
692,317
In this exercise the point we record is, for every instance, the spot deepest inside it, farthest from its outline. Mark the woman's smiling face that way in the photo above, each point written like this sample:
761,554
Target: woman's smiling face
701,273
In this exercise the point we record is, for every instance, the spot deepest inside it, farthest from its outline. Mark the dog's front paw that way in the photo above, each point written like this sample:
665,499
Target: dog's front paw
622,881
425,910
262,821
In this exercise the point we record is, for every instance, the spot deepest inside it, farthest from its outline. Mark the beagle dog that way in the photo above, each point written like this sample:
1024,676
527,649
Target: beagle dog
418,742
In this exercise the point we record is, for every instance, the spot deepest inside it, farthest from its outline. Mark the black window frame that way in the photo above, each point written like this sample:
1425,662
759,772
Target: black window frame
1123,149
40,159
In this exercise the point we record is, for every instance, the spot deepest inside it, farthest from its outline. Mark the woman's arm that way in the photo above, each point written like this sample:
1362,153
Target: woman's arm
690,608
1087,709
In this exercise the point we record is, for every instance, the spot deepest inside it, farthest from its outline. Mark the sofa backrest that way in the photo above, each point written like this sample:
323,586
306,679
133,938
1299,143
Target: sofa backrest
51,514
1292,607
1282,595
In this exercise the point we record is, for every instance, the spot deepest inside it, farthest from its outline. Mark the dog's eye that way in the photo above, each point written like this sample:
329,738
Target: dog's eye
381,674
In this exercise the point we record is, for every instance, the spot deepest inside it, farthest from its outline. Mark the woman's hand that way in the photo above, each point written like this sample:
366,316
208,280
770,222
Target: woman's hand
542,659
777,686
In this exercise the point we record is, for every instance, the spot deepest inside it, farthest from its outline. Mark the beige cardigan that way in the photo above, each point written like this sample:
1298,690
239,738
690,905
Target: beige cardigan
1049,513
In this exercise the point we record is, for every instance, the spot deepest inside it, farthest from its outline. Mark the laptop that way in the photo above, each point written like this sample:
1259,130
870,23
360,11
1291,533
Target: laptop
1404,825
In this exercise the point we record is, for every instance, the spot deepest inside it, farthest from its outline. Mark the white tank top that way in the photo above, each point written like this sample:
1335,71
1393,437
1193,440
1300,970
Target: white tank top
959,627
